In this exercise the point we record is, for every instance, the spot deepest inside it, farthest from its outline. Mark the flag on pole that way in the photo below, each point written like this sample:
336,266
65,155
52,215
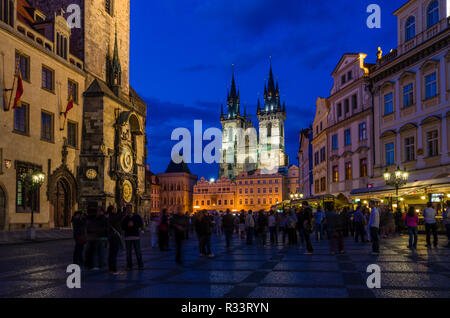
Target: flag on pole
69,106
19,92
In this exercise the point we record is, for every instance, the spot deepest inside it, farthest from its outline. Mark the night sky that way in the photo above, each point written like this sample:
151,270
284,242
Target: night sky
182,53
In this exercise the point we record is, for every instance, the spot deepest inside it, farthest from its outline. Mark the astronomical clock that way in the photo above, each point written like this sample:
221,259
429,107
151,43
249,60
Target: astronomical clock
125,167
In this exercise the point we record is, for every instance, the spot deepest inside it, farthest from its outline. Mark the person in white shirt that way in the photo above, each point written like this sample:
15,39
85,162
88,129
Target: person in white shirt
374,226
429,215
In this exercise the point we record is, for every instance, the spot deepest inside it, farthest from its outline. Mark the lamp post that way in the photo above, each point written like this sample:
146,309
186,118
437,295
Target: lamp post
396,179
32,181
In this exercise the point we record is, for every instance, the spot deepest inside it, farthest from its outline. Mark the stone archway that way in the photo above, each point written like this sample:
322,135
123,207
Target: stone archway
63,195
2,209
61,204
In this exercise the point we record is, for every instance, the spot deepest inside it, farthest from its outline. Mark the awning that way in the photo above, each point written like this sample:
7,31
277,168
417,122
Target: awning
411,186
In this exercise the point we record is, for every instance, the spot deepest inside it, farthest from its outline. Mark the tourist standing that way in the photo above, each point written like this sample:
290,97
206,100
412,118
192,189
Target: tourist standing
250,227
291,225
228,227
79,235
178,225
205,231
132,225
359,221
331,222
429,215
374,226
114,237
262,227
272,222
412,221
399,221
306,223
319,217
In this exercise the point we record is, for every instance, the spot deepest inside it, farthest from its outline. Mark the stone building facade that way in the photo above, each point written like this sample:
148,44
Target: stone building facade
219,195
177,187
293,184
305,162
259,191
412,103
97,156
350,133
319,147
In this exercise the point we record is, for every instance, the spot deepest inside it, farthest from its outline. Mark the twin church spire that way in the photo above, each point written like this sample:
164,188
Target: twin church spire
272,102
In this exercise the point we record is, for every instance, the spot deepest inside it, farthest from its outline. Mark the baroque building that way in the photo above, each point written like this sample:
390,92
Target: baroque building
350,132
411,97
177,188
93,155
243,147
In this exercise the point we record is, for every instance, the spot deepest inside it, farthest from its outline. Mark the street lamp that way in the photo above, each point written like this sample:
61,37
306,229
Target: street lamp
396,179
31,182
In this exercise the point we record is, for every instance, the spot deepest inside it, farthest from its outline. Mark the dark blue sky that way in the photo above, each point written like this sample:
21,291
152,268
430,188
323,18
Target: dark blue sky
182,52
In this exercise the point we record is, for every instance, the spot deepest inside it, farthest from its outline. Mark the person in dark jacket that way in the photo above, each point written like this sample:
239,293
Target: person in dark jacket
330,221
96,228
263,223
132,224
178,225
79,235
360,224
305,221
205,231
228,227
114,237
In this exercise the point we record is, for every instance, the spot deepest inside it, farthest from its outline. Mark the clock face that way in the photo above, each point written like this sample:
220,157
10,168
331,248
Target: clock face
91,174
126,160
127,191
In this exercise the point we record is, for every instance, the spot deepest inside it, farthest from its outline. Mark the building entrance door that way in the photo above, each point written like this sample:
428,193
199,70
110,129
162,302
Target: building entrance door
62,207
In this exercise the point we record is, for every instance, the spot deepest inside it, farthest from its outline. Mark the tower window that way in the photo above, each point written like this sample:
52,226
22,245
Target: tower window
109,6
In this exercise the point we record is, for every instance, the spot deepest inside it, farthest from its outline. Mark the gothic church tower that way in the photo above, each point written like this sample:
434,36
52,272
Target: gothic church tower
272,117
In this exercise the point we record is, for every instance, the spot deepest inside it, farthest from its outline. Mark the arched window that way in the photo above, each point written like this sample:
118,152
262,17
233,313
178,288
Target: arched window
433,14
410,28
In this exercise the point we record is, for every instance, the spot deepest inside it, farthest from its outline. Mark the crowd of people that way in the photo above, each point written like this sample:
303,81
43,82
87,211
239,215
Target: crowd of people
122,228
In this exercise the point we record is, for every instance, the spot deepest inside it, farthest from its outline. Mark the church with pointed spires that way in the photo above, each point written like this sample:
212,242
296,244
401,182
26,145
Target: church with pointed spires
248,147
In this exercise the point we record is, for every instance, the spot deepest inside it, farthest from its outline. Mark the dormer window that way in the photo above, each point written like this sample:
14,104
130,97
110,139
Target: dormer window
349,75
410,28
7,12
343,79
61,45
433,14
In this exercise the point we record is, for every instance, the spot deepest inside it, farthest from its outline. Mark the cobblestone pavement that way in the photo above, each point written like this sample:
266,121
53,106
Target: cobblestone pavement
39,270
